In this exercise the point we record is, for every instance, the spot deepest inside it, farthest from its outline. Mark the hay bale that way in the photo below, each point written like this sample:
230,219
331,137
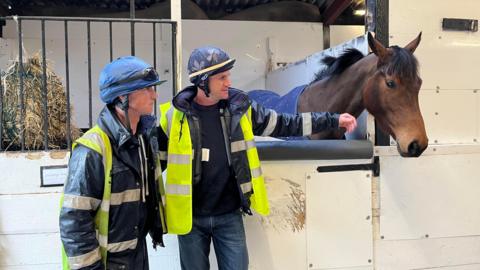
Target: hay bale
33,107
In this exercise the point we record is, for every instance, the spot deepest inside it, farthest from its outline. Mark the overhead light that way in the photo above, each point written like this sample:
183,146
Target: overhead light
359,12
9,7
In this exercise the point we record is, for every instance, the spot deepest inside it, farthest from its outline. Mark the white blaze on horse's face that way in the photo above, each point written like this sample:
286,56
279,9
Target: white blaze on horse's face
391,95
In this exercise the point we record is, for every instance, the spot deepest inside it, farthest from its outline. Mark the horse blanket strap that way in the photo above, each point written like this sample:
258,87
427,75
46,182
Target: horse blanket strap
285,104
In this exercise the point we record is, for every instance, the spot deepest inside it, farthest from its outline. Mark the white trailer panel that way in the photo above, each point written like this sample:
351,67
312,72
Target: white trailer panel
21,171
282,241
411,15
13,217
451,116
448,61
30,249
338,220
433,196
454,253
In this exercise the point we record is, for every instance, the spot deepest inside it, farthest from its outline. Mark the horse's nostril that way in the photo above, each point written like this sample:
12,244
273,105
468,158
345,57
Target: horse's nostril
414,149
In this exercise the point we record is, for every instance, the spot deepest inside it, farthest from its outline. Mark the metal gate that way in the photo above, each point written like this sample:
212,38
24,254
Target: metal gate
71,27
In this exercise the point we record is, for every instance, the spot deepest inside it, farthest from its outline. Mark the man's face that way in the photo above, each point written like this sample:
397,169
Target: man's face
219,84
142,101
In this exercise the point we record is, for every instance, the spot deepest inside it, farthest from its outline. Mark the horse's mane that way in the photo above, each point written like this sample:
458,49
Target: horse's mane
336,65
403,64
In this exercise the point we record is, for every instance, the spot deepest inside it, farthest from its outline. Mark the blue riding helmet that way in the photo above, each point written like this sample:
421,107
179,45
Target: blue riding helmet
125,75
207,61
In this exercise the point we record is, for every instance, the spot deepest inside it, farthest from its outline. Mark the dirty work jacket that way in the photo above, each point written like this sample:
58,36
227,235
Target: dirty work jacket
241,120
101,206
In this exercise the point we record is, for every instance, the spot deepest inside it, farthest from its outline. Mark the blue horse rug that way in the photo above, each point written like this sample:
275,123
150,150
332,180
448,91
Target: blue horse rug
281,104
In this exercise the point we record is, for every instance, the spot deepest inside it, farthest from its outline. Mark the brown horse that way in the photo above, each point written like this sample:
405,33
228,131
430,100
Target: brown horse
386,83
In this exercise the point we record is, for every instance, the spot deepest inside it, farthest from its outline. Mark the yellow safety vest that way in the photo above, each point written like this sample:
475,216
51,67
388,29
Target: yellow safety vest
178,187
97,140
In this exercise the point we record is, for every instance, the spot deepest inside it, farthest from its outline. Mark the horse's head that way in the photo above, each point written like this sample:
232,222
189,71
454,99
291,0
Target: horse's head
391,95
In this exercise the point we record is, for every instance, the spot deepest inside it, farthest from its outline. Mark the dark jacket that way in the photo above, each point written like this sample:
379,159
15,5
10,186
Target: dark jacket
265,122
127,221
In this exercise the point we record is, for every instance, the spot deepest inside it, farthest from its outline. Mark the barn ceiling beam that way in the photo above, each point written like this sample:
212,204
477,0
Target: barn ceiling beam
3,11
334,10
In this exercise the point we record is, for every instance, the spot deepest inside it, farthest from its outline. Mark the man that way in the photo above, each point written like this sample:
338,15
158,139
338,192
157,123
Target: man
213,170
112,195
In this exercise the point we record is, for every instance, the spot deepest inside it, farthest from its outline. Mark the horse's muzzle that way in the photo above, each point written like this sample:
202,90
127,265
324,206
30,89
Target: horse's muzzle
414,150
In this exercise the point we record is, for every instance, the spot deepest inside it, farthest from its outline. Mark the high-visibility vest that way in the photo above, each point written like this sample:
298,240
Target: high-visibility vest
97,140
178,187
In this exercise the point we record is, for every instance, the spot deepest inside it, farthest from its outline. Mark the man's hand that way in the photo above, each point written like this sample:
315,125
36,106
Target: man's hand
347,121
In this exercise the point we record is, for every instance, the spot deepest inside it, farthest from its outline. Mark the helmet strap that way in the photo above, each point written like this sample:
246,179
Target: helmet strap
123,104
204,85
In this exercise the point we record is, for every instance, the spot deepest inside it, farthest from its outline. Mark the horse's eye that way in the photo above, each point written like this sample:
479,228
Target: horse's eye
390,84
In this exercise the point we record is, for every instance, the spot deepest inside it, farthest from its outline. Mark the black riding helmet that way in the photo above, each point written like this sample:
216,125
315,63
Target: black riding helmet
205,62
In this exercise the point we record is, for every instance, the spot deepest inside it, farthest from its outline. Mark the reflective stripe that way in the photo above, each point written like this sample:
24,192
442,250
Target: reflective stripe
272,123
131,195
117,247
122,246
178,158
242,145
85,260
250,144
237,146
169,120
246,187
175,189
80,202
307,124
210,68
257,172
102,240
163,155
105,205
158,172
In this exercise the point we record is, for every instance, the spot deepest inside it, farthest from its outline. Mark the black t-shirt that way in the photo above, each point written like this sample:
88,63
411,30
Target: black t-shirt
216,193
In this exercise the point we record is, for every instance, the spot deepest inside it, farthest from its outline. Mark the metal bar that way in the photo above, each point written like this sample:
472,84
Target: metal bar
374,167
132,37
381,34
2,24
132,26
111,40
154,38
326,36
370,16
44,90
1,111
132,9
20,77
89,55
174,60
67,87
66,20
381,22
83,19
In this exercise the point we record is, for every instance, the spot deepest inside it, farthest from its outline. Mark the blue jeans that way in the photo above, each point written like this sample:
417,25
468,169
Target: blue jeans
229,241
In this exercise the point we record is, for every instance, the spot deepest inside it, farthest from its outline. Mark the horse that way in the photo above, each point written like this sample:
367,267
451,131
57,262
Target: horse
385,83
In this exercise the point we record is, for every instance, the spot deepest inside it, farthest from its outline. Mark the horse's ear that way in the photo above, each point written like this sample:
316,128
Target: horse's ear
377,48
414,43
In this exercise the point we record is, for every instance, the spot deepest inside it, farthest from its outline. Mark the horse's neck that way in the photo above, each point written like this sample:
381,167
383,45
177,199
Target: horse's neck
343,93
